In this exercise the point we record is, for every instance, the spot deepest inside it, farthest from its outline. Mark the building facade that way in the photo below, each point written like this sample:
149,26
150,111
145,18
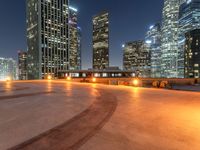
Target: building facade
8,69
192,54
153,38
189,19
137,58
79,48
169,43
74,41
101,41
22,65
47,37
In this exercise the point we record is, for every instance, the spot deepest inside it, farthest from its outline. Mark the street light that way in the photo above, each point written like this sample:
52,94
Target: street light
49,77
8,79
94,79
135,82
68,78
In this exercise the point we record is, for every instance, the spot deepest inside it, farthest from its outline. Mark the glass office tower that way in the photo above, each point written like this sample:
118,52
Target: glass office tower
136,58
74,41
169,41
47,37
192,54
153,38
189,19
101,41
22,65
8,69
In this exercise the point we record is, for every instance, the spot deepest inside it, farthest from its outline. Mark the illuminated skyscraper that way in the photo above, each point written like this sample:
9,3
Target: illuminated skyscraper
189,19
22,65
74,41
47,37
8,69
153,38
169,41
79,48
101,41
192,54
137,58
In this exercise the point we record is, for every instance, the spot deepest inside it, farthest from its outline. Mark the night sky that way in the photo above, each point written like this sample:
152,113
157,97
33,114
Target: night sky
129,20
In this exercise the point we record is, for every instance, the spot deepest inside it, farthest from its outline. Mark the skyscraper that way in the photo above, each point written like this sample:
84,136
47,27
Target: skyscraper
47,37
101,41
169,41
153,38
79,48
189,19
137,58
192,54
8,69
75,41
22,65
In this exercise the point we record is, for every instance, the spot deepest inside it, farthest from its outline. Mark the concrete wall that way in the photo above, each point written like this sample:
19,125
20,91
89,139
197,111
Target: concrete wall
142,81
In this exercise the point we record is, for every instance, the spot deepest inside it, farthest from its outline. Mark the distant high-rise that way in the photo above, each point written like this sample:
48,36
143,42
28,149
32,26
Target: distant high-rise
101,41
189,19
79,48
153,38
137,58
192,54
74,41
22,65
169,41
8,69
47,37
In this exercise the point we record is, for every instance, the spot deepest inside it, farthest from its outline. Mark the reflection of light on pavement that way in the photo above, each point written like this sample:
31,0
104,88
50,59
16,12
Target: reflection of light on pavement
49,86
136,92
68,89
94,85
94,90
8,86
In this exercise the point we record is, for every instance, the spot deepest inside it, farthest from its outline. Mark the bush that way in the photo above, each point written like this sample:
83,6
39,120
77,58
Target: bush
156,84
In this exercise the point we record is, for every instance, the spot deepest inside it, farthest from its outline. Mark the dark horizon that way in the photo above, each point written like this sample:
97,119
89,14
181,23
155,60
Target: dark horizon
136,17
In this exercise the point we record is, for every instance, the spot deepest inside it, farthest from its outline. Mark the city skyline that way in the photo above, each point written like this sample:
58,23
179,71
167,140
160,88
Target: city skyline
100,75
133,30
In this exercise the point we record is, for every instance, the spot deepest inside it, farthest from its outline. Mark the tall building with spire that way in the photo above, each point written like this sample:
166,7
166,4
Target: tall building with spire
169,38
47,37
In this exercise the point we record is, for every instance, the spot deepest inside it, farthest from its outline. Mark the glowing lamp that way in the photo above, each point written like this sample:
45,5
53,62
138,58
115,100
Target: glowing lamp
135,82
68,78
94,79
49,77
8,79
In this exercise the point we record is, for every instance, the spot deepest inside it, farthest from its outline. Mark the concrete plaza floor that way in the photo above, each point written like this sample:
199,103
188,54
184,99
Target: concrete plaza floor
60,115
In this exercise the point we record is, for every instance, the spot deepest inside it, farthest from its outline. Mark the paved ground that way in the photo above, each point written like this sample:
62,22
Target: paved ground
194,88
56,115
